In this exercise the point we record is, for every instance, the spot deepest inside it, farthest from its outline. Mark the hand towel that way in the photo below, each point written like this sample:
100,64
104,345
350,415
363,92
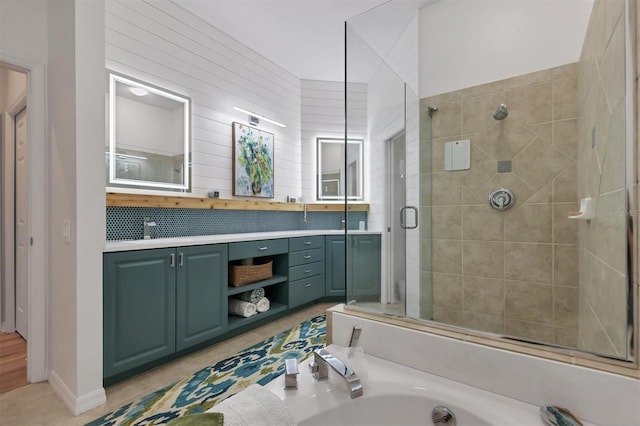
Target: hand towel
263,305
254,406
241,308
252,296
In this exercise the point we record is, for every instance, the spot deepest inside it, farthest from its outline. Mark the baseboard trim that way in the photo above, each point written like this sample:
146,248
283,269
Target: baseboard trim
77,405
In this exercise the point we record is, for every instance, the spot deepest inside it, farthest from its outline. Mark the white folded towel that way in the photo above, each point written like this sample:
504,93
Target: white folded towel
254,406
263,305
241,308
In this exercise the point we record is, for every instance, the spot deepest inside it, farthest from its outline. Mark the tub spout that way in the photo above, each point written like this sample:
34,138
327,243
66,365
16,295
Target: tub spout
319,367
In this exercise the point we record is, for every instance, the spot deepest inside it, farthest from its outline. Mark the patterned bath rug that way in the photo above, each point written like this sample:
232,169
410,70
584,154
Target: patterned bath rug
259,363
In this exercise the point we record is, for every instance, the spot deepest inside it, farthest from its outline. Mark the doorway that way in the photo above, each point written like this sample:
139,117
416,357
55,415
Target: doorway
397,194
14,176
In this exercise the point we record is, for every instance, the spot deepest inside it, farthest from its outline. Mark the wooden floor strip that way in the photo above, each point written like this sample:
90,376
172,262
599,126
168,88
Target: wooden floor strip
13,361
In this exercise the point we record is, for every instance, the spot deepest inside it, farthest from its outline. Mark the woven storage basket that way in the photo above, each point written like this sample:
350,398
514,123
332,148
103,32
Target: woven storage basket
240,275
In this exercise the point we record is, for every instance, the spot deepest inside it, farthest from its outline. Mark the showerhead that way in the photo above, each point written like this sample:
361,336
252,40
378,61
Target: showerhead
501,113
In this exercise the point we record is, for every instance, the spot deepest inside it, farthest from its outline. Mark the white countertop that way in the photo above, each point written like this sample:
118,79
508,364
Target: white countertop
126,245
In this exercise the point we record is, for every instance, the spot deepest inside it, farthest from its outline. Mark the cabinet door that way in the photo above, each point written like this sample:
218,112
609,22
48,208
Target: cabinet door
365,267
201,302
335,265
139,308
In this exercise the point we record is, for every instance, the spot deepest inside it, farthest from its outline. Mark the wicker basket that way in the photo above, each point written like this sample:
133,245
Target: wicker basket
240,275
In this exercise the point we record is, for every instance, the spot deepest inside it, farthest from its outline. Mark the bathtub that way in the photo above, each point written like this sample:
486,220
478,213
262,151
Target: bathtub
395,395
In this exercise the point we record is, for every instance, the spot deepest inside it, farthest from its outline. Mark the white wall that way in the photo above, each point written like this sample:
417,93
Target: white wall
465,43
166,46
323,116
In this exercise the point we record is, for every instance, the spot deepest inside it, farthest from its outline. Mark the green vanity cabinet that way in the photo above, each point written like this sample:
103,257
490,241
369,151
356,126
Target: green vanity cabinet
335,265
139,296
201,302
306,270
160,301
362,266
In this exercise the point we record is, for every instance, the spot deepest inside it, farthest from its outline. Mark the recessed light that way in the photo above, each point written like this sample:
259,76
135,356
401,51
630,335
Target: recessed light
139,91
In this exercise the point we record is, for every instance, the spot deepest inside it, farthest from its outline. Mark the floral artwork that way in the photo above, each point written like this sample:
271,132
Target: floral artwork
252,161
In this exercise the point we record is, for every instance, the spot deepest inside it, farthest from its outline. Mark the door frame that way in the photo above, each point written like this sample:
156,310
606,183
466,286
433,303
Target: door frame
38,222
388,293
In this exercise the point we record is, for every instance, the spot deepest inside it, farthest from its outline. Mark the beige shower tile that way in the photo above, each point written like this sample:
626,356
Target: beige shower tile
426,252
529,330
565,98
612,312
447,290
446,188
446,222
528,79
564,70
593,335
483,168
609,234
478,112
567,337
529,223
565,185
483,322
543,130
446,315
599,125
565,306
614,167
483,89
543,196
538,163
437,156
504,139
565,265
426,184
483,259
529,262
565,230
447,121
426,155
443,98
565,137
530,104
483,295
483,223
529,302
447,256
612,68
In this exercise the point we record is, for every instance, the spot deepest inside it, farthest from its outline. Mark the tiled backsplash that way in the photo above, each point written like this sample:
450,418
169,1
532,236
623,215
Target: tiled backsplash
125,223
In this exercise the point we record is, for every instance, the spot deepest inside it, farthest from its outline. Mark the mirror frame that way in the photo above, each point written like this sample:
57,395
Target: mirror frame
360,143
115,78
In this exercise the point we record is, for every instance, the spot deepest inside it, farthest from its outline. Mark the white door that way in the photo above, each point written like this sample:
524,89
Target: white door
21,228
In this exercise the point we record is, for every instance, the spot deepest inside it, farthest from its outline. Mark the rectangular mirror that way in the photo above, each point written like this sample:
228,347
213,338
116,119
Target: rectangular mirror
334,171
149,136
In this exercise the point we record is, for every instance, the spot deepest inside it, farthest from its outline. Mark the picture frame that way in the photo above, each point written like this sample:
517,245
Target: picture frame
253,162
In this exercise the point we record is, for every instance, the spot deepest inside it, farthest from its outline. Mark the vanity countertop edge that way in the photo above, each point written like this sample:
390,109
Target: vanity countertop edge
128,245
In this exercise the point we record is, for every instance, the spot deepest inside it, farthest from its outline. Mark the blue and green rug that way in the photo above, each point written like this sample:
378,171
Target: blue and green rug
259,363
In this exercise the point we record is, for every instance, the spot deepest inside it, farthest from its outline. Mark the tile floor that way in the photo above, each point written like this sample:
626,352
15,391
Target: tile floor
38,404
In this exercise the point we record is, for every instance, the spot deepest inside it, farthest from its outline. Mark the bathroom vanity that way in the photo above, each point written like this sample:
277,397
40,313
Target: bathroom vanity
166,297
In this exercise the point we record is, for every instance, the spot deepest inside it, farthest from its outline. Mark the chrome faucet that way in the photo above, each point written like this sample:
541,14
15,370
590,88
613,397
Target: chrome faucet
319,368
146,229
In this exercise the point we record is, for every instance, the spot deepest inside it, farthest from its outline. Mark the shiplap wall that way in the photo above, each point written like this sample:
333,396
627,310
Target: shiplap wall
163,44
323,116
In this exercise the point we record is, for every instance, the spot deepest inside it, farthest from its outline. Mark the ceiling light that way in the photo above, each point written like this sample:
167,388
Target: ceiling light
139,91
253,114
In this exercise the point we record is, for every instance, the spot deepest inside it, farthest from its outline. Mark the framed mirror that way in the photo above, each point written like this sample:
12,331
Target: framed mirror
149,136
334,170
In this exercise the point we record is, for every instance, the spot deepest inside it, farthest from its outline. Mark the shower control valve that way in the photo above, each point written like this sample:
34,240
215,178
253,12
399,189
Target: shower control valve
501,199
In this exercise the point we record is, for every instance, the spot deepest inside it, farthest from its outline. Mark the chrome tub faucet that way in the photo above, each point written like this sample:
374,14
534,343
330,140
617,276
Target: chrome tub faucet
319,368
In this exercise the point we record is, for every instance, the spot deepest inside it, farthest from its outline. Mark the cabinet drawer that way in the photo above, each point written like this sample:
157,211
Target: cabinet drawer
306,243
305,290
306,256
305,271
247,249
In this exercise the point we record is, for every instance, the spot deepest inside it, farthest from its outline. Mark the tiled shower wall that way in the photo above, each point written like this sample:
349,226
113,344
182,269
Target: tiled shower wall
601,176
512,271
125,223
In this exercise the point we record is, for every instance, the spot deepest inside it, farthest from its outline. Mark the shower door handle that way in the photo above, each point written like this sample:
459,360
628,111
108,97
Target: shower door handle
403,217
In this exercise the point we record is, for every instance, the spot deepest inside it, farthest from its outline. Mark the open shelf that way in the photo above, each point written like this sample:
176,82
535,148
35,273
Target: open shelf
236,321
264,283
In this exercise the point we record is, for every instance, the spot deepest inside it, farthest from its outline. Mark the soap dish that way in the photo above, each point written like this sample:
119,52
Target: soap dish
558,416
